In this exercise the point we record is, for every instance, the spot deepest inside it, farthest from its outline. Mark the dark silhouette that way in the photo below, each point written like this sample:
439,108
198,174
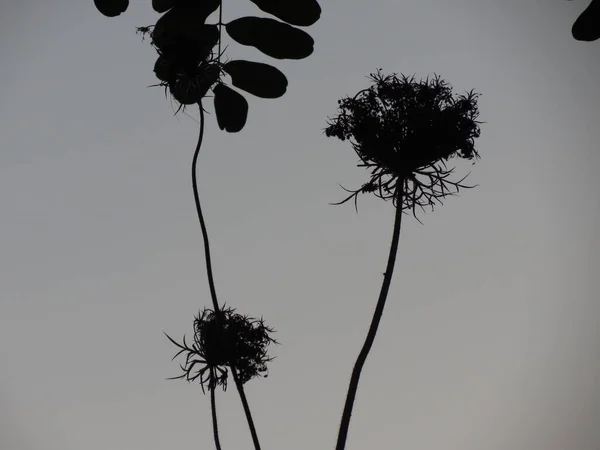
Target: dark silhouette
112,8
188,67
404,132
587,26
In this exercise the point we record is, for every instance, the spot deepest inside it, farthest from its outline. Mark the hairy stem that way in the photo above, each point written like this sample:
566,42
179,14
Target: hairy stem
364,352
213,291
240,388
213,409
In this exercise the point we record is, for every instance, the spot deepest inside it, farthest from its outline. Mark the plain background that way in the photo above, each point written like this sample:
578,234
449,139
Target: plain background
489,340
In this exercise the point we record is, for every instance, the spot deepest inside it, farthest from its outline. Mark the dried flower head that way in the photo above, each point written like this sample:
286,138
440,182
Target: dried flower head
405,131
186,66
221,340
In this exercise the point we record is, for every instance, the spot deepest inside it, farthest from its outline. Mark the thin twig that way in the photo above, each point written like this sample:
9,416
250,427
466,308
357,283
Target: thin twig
362,357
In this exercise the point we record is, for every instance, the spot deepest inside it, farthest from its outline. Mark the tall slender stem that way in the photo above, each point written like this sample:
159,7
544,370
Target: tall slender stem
209,271
364,352
211,283
240,388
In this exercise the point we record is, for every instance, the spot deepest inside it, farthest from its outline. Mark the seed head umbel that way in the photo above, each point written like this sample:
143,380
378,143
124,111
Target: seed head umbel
223,340
405,132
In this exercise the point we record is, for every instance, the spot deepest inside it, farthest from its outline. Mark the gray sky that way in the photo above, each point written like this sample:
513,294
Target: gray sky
488,339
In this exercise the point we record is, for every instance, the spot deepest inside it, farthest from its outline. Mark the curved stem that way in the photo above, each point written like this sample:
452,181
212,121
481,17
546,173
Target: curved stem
213,291
211,281
213,409
364,352
240,388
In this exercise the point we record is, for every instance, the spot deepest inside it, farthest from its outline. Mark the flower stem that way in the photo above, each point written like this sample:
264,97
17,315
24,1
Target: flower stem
240,388
362,356
213,291
211,281
213,409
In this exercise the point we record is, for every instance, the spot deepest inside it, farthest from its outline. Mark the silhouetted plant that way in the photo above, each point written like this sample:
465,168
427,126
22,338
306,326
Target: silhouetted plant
404,132
222,340
188,67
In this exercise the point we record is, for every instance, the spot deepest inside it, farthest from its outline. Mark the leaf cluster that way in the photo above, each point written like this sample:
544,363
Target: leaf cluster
188,67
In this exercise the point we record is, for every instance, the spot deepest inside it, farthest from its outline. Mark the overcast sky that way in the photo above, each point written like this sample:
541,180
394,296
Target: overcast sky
489,339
